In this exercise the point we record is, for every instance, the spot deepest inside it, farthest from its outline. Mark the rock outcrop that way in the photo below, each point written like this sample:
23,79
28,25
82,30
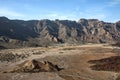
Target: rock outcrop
36,66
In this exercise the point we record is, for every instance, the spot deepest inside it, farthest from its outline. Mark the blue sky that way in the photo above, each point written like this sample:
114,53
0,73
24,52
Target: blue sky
106,10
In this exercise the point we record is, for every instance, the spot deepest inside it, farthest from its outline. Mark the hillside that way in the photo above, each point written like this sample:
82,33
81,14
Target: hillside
46,32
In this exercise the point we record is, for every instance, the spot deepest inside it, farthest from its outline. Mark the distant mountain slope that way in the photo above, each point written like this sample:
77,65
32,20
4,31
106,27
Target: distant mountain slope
58,31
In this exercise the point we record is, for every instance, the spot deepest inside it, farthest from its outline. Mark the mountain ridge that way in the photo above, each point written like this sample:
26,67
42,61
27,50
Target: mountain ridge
44,32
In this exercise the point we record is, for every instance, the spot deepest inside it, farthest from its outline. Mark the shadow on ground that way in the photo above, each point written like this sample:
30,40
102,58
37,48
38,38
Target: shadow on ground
106,64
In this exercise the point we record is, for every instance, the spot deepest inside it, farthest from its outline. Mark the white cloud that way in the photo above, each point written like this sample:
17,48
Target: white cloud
113,2
61,16
93,13
9,13
96,16
76,14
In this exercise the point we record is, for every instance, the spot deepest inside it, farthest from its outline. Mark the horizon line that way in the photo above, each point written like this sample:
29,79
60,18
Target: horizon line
59,19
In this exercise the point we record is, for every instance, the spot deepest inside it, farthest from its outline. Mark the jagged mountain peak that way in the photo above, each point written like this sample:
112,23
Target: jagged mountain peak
65,31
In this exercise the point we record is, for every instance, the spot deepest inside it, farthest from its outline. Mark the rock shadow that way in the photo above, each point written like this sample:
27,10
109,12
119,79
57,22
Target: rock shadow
106,64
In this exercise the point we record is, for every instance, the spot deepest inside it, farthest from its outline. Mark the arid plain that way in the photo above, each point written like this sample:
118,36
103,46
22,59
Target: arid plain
77,62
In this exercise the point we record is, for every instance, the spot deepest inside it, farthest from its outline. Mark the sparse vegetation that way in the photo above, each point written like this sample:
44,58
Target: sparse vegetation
10,57
107,64
73,58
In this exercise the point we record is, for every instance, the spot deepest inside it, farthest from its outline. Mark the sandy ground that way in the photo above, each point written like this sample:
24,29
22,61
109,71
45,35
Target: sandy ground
74,60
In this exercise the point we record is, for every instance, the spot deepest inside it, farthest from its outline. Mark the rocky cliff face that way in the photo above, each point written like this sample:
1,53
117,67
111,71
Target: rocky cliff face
58,31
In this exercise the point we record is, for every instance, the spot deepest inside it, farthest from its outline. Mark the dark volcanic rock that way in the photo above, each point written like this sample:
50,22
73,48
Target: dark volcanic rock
44,32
